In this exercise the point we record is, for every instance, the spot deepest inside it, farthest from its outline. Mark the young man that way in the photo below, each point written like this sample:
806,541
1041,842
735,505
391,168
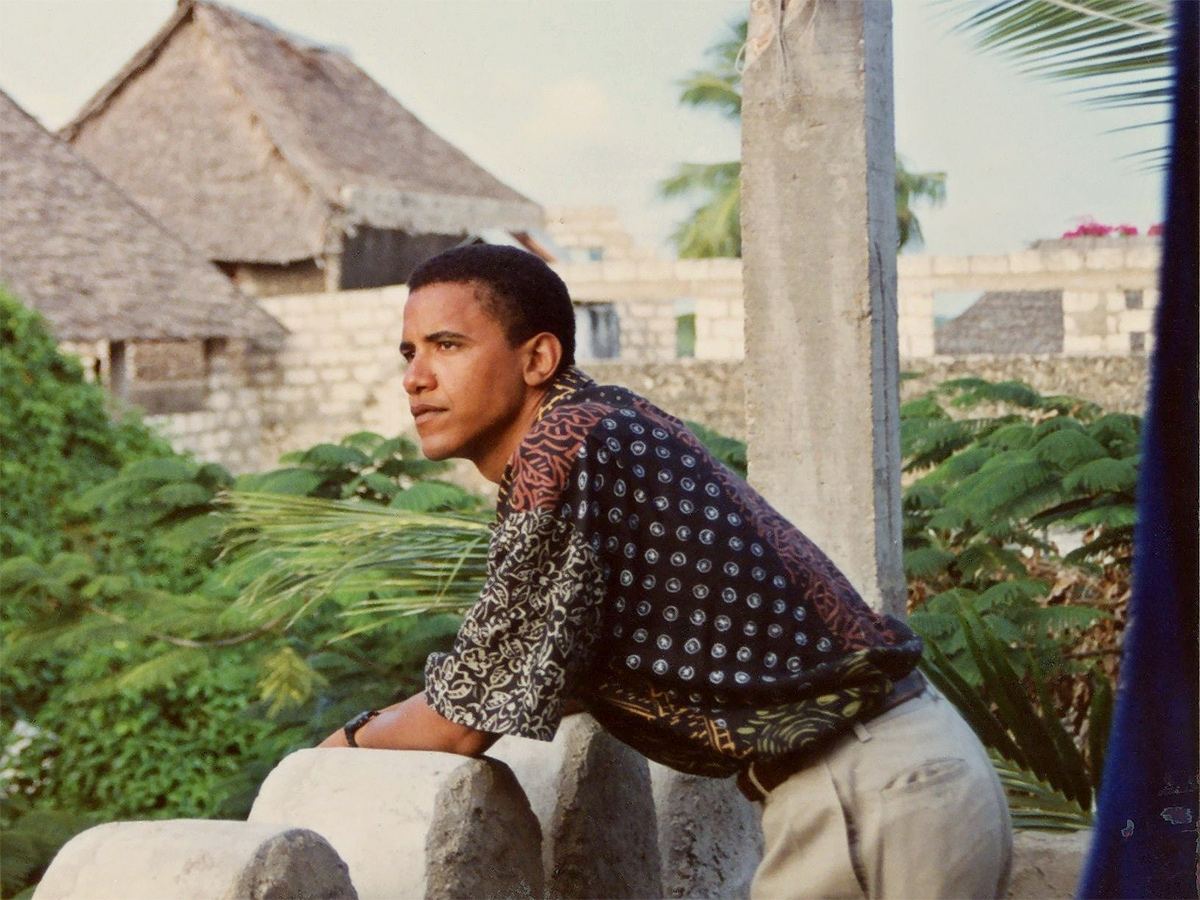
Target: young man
632,575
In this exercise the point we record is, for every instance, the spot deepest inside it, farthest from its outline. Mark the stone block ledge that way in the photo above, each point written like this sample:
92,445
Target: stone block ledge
412,824
196,859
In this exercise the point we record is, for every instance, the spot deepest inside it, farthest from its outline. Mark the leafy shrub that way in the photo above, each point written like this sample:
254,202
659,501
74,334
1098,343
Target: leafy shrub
977,520
56,434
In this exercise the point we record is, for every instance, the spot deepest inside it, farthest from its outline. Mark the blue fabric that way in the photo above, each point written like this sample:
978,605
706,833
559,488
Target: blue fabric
1145,842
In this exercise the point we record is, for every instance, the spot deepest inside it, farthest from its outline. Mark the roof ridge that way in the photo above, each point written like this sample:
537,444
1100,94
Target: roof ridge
307,171
142,59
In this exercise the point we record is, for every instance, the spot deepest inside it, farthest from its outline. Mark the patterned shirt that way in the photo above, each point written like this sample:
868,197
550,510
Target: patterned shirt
631,571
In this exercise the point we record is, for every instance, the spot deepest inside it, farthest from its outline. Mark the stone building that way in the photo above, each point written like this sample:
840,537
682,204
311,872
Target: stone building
282,161
1083,296
149,316
1070,297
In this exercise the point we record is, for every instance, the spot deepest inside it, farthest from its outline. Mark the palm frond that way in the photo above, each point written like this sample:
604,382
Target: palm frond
913,187
1034,803
294,553
1090,41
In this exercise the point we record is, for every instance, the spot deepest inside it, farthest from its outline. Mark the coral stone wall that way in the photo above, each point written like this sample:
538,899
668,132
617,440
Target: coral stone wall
649,294
339,370
707,391
711,391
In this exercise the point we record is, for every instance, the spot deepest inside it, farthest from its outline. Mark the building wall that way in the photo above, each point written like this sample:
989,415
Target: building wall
1094,274
339,372
649,295
1109,293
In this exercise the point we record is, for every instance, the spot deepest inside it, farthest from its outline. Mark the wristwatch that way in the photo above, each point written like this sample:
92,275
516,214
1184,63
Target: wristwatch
351,728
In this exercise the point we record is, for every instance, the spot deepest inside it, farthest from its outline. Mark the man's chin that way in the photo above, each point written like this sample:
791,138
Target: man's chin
435,451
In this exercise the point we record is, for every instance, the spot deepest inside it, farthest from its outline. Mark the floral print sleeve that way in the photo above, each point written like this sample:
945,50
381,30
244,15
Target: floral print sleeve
525,644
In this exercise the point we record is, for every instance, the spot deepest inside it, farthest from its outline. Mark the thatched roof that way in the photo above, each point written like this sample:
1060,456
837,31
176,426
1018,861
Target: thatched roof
1003,322
258,147
96,264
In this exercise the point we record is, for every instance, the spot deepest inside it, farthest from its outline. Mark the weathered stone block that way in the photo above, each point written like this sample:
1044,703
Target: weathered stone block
412,824
302,376
1063,260
1026,262
1080,301
1046,865
1137,320
1105,258
709,836
988,265
347,391
950,265
593,797
194,859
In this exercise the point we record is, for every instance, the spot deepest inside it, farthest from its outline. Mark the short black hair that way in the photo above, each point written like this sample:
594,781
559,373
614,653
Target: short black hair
519,289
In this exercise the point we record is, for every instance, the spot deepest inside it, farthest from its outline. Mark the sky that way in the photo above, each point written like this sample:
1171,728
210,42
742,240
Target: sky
575,102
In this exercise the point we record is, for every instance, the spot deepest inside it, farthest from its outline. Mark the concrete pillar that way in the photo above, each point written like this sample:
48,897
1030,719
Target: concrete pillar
709,836
410,824
195,859
593,797
819,243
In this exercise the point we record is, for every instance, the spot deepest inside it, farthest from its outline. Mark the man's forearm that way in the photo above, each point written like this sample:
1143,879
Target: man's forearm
414,725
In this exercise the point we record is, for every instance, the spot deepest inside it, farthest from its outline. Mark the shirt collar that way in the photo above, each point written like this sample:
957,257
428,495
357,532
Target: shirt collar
565,385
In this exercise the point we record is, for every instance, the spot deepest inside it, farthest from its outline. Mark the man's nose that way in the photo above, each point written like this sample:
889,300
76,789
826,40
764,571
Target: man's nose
417,376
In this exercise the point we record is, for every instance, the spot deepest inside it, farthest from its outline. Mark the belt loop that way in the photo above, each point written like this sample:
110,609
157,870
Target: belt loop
860,731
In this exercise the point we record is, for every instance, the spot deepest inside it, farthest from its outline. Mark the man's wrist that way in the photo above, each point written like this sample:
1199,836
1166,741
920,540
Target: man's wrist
350,729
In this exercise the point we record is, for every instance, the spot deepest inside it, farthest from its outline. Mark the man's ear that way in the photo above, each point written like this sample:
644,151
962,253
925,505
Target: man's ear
543,353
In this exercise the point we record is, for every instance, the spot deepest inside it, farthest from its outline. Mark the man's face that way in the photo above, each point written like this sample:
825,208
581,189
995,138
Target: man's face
465,382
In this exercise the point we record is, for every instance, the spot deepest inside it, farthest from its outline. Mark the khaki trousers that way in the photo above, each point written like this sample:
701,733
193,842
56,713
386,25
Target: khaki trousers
908,806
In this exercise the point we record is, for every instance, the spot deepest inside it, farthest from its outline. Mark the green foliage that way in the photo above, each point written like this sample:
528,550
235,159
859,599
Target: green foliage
293,554
912,187
1050,782
56,435
990,485
161,747
364,465
133,685
729,451
1120,50
30,842
999,474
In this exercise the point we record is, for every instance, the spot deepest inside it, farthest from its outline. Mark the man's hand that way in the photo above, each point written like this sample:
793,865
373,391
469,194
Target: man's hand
413,725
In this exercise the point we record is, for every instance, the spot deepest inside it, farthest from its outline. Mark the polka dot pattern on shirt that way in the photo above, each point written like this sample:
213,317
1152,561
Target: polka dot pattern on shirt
689,569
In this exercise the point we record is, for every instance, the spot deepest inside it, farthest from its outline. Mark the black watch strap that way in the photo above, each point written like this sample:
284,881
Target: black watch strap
351,727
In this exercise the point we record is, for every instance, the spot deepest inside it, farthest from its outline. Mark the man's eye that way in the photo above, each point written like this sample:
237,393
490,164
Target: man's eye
447,345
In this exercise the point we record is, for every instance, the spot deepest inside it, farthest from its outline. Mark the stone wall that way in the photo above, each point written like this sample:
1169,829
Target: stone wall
1109,285
649,294
229,426
1109,290
339,370
707,391
712,391
1117,383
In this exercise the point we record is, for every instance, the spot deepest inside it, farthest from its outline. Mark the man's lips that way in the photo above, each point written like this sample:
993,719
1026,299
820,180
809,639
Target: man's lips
423,412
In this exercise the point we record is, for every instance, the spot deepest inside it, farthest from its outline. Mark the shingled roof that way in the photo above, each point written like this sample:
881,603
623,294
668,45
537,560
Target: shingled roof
96,264
258,147
1002,322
